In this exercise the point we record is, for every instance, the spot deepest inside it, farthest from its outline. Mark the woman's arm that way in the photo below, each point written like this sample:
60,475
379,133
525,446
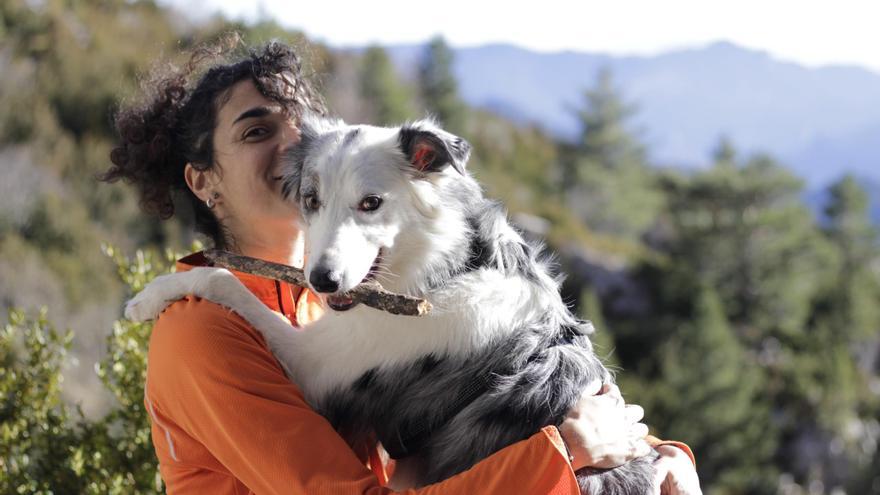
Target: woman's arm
210,374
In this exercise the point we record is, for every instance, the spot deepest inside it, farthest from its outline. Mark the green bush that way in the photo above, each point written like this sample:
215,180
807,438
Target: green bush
47,446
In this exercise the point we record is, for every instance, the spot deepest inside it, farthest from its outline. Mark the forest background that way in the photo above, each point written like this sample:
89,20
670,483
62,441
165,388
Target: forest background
744,322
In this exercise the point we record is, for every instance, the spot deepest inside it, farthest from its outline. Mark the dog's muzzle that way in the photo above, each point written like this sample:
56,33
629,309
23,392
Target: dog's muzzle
343,302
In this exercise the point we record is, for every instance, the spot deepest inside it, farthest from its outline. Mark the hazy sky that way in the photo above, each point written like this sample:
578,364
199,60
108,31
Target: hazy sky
812,32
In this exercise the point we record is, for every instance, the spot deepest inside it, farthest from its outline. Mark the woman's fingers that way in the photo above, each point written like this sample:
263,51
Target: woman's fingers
638,430
602,431
634,413
675,473
622,453
640,448
634,448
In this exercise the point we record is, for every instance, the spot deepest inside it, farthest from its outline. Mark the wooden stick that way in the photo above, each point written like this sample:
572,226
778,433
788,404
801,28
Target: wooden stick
370,293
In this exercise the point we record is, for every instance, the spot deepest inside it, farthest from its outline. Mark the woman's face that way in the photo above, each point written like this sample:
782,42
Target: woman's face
250,137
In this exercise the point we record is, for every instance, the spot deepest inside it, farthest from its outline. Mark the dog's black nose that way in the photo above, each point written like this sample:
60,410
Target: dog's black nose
323,280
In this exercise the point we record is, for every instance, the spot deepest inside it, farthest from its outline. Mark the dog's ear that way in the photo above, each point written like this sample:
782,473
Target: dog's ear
431,149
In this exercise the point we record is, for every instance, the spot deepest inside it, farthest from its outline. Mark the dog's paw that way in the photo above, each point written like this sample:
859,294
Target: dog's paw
155,297
145,306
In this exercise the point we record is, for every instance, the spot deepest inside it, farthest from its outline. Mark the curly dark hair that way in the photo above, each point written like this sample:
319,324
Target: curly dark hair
173,123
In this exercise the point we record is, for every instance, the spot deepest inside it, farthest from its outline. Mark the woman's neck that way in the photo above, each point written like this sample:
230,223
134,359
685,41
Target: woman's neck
286,249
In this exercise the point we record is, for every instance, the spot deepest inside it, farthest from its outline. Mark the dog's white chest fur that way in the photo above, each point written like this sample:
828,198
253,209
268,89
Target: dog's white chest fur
341,347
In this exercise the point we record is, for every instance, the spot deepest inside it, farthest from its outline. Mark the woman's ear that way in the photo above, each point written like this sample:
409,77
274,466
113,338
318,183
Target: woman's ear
200,182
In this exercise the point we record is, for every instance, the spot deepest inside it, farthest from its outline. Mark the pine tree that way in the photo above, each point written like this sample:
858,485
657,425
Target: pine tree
606,178
387,99
439,89
709,394
724,154
744,230
604,137
867,482
590,308
850,230
845,322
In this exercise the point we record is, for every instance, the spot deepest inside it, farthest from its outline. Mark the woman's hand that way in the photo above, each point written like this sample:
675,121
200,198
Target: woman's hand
602,431
675,473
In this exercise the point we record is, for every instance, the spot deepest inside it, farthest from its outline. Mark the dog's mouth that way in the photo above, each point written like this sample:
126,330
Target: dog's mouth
344,302
340,302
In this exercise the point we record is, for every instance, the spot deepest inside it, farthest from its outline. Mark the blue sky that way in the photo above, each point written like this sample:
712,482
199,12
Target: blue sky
809,32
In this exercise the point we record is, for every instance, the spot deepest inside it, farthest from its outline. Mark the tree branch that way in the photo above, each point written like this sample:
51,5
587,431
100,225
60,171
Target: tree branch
369,293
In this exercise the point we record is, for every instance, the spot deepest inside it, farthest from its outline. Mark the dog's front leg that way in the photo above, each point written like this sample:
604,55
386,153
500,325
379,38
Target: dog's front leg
221,287
164,290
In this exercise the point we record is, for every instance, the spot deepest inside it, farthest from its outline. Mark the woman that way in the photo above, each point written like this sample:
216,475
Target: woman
225,419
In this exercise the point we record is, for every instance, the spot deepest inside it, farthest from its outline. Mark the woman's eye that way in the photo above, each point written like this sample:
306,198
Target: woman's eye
255,132
370,203
311,202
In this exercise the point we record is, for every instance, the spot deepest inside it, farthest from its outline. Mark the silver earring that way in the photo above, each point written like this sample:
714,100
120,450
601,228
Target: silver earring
210,203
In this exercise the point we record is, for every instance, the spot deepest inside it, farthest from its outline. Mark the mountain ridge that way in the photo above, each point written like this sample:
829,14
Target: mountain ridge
820,122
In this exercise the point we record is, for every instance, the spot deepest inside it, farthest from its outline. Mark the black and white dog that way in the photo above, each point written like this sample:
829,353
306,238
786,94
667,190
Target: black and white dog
499,356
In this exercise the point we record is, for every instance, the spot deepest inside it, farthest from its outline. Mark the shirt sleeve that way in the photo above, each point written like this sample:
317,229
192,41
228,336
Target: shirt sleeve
210,373
656,442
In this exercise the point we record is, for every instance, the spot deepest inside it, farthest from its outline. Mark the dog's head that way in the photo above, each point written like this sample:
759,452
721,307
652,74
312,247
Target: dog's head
368,197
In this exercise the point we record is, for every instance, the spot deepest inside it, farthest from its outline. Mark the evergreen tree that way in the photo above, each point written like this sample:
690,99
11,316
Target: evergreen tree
709,395
744,231
835,390
849,228
606,178
590,308
604,137
439,89
724,154
868,481
387,99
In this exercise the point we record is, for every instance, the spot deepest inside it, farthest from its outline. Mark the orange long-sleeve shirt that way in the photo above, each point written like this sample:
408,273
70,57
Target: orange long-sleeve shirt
225,418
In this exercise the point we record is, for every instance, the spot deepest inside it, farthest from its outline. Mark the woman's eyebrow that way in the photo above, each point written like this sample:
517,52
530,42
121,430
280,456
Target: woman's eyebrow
253,113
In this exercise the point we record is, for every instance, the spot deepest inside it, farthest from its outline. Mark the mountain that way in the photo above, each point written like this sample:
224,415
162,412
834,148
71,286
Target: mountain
819,121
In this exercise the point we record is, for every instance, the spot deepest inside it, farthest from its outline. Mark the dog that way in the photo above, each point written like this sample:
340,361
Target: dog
499,356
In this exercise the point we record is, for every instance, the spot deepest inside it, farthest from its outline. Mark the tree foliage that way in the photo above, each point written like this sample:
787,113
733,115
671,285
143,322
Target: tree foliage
381,90
46,446
755,333
605,174
439,88
705,368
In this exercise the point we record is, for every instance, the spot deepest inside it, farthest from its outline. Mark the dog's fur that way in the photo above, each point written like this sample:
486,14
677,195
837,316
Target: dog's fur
497,320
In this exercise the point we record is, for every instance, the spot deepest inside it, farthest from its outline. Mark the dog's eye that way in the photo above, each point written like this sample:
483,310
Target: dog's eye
370,203
311,202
